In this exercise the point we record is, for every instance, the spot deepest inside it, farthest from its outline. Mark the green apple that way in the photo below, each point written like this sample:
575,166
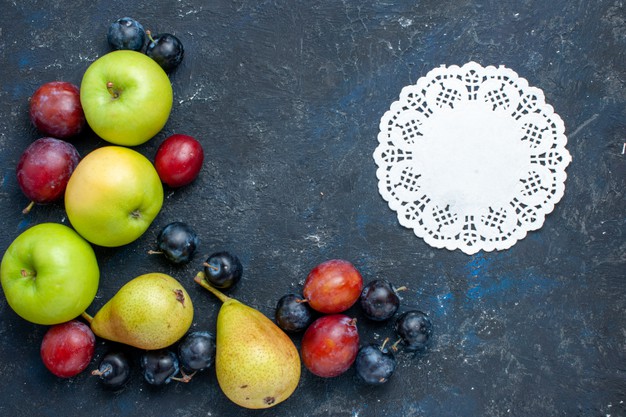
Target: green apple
113,196
126,97
49,274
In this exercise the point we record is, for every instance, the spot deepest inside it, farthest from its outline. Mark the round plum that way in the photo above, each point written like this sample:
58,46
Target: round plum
293,313
333,286
375,364
55,110
177,242
379,300
67,348
330,345
223,269
166,50
178,160
415,329
114,370
45,168
126,33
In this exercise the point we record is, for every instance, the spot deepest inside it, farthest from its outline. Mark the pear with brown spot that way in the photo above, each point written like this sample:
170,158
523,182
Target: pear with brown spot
256,363
149,312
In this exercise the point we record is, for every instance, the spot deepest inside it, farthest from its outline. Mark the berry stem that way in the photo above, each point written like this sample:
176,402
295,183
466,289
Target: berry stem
200,279
149,35
394,347
384,344
155,252
98,372
185,377
402,288
208,265
28,208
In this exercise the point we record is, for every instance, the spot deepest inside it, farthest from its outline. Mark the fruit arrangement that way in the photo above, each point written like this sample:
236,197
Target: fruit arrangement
331,343
50,273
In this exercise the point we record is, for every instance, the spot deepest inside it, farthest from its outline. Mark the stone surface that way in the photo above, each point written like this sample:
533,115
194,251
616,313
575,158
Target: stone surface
286,97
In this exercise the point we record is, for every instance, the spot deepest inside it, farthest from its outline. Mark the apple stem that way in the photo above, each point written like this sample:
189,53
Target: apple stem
200,279
26,273
28,208
87,317
111,88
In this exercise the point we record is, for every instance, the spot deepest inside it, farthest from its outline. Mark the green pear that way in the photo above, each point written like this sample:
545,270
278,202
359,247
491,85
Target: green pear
149,312
256,363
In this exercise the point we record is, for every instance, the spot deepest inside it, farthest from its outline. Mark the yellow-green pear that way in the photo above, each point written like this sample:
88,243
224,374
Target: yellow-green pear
256,363
149,312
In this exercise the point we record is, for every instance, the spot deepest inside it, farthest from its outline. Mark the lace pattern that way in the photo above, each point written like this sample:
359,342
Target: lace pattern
471,158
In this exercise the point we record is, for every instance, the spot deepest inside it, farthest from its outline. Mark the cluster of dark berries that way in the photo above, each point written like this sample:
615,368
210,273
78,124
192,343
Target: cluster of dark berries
166,49
195,353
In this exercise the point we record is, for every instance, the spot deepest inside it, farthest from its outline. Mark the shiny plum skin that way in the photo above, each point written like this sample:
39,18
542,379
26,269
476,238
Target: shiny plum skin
196,352
330,345
223,269
45,168
178,160
415,329
333,286
159,366
375,364
126,33
114,370
293,314
178,242
55,110
67,348
379,300
166,50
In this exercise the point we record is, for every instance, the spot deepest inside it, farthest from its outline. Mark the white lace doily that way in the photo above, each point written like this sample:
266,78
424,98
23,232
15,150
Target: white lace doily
471,158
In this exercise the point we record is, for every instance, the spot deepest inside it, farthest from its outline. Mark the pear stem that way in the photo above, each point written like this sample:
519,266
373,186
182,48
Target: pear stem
87,317
200,279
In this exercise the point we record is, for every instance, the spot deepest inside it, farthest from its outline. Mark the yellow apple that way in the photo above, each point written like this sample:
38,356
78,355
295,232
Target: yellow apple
113,196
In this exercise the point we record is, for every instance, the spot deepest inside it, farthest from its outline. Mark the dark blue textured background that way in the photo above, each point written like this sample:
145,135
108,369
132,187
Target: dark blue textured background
286,97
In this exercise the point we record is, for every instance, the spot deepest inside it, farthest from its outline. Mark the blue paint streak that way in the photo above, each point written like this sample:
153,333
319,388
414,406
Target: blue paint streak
442,304
354,96
478,265
24,224
494,290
